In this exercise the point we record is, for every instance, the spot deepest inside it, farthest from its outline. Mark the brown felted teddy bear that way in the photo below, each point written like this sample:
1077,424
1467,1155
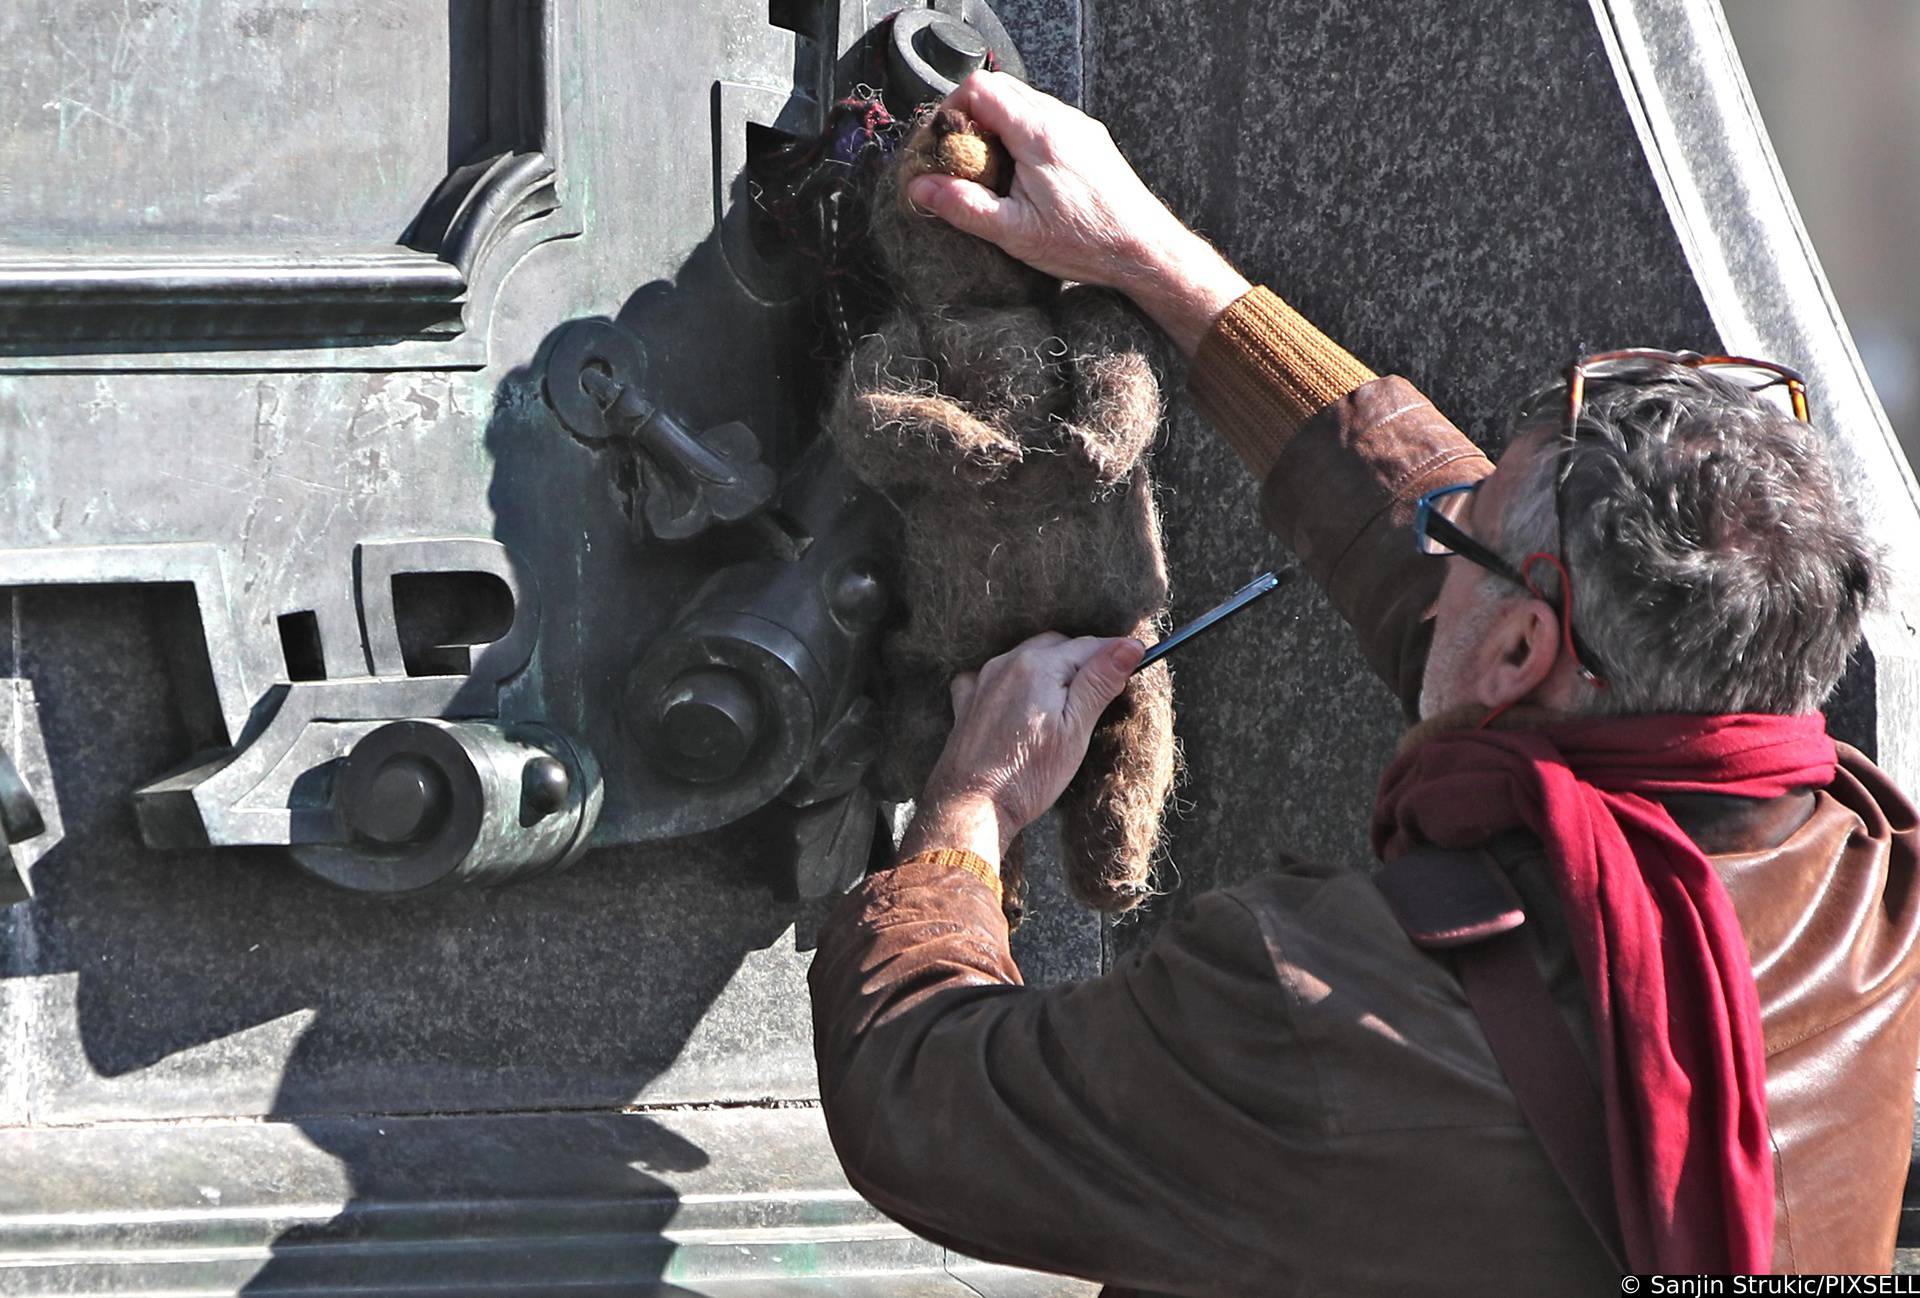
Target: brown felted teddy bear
1008,419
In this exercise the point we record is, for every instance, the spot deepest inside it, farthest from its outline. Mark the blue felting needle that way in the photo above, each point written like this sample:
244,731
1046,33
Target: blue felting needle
1265,583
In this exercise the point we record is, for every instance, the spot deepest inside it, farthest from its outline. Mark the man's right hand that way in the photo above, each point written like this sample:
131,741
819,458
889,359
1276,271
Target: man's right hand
1021,726
1077,211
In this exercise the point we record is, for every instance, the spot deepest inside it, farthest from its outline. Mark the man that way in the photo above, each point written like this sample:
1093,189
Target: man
1618,663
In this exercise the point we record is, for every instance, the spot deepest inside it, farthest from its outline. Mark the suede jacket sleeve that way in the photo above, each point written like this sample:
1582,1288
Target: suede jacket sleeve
1339,478
1281,1095
1105,1128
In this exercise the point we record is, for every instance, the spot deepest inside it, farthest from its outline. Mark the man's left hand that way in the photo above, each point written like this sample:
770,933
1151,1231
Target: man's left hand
1021,725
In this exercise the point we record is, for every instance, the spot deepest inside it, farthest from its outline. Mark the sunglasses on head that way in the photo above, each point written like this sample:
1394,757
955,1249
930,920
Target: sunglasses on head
1437,514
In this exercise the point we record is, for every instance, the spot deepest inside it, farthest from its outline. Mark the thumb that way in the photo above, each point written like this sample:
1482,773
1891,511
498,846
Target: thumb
1101,680
966,206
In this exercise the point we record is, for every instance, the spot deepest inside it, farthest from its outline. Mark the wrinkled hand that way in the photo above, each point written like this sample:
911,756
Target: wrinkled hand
1021,728
1077,210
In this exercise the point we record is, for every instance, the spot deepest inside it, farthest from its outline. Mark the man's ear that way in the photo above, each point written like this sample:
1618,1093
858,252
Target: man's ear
1521,648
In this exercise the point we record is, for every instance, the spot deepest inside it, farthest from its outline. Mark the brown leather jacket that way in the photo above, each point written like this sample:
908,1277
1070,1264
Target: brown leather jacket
1283,1095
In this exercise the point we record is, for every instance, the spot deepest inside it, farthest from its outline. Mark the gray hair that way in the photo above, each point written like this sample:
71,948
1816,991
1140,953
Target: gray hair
1718,562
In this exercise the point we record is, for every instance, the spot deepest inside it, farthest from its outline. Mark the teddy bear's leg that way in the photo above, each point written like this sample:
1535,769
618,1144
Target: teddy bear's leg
894,429
1114,566
1116,395
1110,814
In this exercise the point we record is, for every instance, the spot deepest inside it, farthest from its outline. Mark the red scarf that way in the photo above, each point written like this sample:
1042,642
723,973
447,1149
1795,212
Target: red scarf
1683,1065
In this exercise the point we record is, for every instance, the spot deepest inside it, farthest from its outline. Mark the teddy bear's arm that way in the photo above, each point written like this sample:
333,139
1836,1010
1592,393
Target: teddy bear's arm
940,440
1115,410
896,430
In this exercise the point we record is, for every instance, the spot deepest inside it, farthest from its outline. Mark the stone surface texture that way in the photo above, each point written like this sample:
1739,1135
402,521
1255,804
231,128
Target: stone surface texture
1049,34
712,1202
1453,192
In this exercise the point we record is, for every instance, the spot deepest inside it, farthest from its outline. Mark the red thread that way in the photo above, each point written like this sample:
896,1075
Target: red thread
1564,612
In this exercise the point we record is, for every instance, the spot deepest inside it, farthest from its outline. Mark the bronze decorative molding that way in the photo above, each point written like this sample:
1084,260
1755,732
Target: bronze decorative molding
433,285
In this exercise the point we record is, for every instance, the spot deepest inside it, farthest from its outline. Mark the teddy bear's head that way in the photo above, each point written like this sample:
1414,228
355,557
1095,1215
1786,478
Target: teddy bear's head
929,262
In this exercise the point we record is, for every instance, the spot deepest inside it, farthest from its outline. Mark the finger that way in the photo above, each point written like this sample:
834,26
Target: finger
1084,649
1101,680
1023,657
1066,658
965,205
1050,111
1044,640
1007,108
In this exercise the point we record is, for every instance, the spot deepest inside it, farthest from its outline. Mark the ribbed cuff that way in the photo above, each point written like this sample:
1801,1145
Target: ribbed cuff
960,859
1263,371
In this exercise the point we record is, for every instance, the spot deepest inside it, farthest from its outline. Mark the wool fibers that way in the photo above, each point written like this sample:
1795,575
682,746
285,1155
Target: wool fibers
1009,418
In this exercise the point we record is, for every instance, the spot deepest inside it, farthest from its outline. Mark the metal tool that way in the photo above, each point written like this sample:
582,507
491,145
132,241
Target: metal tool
1261,585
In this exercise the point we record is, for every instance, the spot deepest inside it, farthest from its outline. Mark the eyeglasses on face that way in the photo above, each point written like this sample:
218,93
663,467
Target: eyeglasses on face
1437,531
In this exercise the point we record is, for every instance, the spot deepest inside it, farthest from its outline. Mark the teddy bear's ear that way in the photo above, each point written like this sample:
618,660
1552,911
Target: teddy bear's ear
945,141
927,262
894,429
963,148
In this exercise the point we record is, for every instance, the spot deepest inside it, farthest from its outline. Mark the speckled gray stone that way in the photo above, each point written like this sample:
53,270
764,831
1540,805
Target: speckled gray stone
1452,190
1049,34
